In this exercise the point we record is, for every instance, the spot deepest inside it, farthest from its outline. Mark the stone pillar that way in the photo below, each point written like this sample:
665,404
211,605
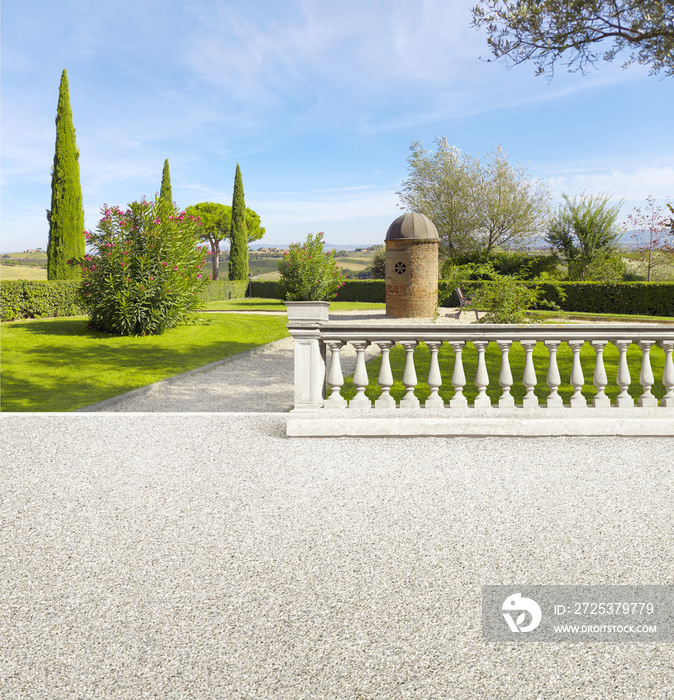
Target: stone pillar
411,267
304,321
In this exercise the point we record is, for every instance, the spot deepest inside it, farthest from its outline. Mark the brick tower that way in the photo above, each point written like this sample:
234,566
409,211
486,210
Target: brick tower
411,267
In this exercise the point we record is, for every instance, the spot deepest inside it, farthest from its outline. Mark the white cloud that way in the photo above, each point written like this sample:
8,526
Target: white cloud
314,207
634,182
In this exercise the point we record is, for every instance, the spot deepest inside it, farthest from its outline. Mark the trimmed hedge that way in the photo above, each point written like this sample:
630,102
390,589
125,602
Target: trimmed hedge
371,291
638,298
512,262
222,290
44,298
353,290
40,298
266,289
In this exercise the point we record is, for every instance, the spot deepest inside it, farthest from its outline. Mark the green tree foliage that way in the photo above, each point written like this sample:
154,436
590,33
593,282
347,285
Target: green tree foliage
579,33
475,205
66,216
511,207
238,237
439,186
145,274
377,267
165,192
520,263
216,222
584,233
308,273
505,300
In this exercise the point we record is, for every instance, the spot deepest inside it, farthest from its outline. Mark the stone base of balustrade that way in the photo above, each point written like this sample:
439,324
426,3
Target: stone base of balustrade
483,422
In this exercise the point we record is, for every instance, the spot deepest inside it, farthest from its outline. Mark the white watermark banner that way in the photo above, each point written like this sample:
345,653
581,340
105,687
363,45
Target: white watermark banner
642,614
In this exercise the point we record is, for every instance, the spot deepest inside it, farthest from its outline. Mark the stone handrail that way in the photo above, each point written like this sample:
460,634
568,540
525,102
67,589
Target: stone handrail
315,342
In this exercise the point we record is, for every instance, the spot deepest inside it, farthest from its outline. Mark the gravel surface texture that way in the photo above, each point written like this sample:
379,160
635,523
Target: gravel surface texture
209,556
206,555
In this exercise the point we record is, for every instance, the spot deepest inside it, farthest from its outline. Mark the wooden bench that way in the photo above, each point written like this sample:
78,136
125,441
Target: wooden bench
464,301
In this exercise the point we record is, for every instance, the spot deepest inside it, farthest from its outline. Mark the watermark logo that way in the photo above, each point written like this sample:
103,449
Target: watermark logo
515,603
620,614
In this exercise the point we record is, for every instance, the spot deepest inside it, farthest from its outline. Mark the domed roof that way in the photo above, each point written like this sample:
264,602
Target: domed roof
412,226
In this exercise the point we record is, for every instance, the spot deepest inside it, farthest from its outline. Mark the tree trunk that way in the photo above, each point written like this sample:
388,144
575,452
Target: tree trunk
216,261
650,256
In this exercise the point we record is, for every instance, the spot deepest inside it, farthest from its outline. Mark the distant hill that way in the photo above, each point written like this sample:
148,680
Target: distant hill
327,246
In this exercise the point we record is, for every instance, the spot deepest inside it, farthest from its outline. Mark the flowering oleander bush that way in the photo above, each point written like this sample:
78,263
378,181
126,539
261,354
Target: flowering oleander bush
308,273
144,274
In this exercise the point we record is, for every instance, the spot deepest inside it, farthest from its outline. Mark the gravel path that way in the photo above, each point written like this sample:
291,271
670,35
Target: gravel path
259,380
208,556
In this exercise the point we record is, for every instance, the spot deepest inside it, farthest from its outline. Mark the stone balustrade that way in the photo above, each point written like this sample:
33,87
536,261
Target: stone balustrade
318,349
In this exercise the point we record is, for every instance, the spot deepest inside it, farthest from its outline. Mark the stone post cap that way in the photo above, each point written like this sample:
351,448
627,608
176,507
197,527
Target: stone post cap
412,226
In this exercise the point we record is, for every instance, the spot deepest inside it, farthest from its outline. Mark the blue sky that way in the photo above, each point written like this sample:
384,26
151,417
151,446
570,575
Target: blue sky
317,101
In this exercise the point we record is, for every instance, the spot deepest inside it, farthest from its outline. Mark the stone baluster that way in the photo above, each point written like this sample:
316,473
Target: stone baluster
646,377
505,378
458,376
554,400
577,378
668,374
482,399
623,400
599,379
335,376
529,379
409,376
360,379
385,376
434,376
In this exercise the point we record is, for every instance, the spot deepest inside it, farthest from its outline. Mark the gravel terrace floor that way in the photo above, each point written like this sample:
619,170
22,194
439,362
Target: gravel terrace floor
206,555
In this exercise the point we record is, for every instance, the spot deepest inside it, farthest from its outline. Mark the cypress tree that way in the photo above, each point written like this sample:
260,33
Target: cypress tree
238,234
66,217
165,192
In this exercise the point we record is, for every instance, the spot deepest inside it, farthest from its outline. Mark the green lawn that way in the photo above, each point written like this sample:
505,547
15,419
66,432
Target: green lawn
60,365
256,304
22,272
517,355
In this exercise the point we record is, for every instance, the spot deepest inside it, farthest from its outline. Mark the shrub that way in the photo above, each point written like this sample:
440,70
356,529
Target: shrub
40,298
524,265
639,298
308,273
266,289
146,271
506,300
